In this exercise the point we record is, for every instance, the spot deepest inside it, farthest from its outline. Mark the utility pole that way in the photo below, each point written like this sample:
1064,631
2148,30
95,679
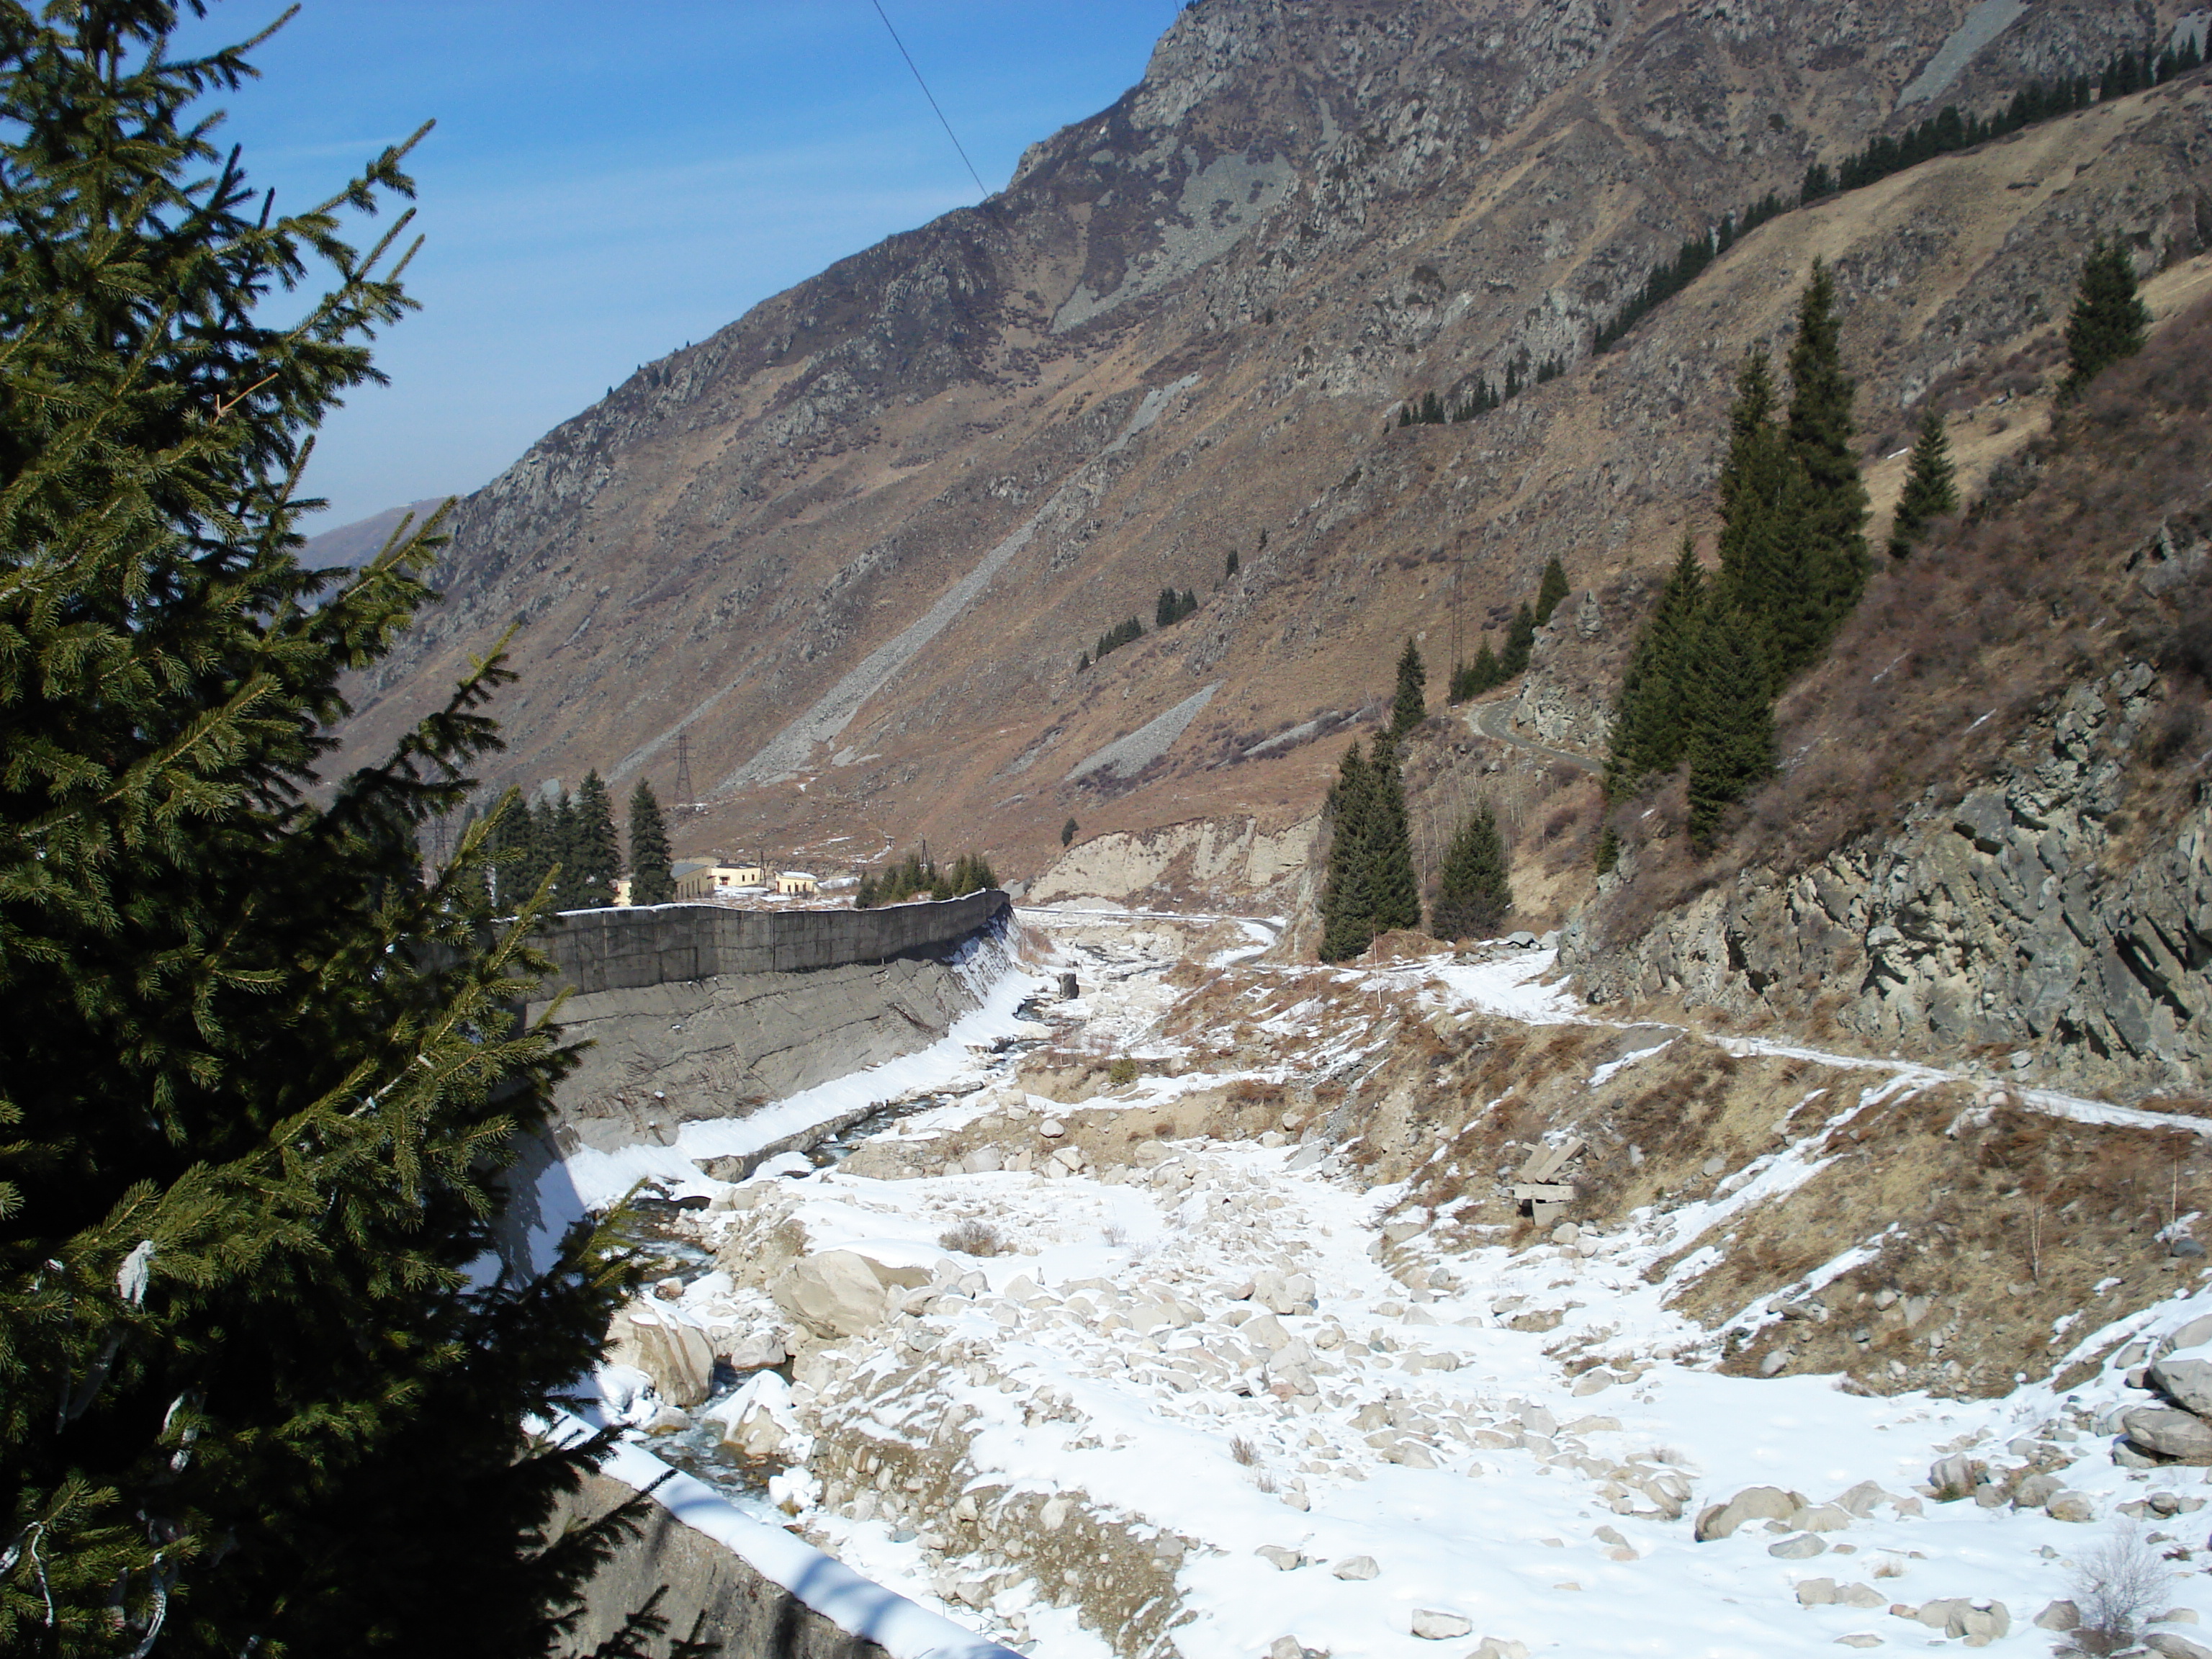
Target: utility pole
1459,569
684,801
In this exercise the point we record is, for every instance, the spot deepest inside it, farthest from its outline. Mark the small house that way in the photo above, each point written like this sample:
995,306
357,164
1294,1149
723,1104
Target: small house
795,884
622,890
698,878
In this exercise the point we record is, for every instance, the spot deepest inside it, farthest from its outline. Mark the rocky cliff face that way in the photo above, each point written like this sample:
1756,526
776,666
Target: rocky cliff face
2021,920
850,548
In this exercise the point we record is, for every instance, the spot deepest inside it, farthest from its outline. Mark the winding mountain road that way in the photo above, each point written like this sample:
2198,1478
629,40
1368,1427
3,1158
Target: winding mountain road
1488,720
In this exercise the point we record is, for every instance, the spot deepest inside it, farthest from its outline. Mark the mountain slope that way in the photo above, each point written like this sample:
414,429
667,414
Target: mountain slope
851,547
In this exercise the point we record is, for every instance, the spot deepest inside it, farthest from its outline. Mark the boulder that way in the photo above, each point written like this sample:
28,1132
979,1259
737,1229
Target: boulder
2059,1616
1281,1560
1358,1567
837,1293
2070,1506
2176,1647
1956,1476
2195,1334
1265,1331
1802,1547
2187,1382
1821,1517
1432,1625
984,1160
1496,1647
1859,1639
675,1355
1861,1595
2036,1490
1751,1504
2169,1433
1817,1593
758,1426
756,1351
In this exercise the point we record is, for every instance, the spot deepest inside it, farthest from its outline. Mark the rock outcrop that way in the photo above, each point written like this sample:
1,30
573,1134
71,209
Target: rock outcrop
2000,918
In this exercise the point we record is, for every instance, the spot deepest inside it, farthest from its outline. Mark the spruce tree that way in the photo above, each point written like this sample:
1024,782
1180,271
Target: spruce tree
1348,912
1410,707
652,866
599,852
1931,487
1474,893
1731,744
1553,590
1393,890
1485,673
1650,721
2109,320
1832,513
259,1082
1520,641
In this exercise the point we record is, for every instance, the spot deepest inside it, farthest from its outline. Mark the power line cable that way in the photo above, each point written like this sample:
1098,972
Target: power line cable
926,93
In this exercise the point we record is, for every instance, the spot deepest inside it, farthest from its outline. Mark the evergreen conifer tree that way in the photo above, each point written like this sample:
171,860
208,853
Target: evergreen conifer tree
1520,641
1485,672
1731,746
257,1083
1931,489
1067,832
1348,912
565,833
1474,892
1410,707
1651,723
599,852
1830,514
652,866
2109,320
1553,590
1393,890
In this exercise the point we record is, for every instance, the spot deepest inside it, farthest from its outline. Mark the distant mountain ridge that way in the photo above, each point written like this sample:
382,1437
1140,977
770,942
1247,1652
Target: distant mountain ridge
351,544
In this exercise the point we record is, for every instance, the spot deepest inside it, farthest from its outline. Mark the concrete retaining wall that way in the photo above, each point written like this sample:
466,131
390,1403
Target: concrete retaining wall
704,1587
627,949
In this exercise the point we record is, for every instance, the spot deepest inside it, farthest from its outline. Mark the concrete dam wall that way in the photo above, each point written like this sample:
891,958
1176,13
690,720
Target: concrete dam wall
696,1011
630,948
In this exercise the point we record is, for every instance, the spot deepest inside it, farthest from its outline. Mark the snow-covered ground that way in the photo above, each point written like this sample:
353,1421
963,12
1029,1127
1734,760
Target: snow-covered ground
1317,1430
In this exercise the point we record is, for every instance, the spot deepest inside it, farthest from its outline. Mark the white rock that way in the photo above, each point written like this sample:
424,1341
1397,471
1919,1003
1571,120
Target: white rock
837,1293
674,1354
2070,1506
1432,1625
1817,1593
2059,1615
1358,1567
1751,1504
1283,1560
2170,1433
756,1351
1496,1647
1052,1128
2173,1646
983,1160
2187,1382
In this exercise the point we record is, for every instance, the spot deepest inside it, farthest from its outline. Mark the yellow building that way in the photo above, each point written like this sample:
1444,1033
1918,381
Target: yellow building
795,884
699,879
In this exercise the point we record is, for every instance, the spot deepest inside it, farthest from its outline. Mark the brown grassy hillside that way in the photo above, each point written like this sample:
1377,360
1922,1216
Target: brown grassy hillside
850,548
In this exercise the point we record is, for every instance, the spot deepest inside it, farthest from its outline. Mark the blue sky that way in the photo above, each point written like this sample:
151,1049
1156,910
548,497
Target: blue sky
610,179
